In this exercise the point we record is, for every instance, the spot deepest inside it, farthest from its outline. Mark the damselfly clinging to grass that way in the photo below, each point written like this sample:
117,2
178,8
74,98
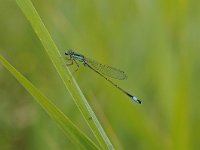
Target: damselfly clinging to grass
102,70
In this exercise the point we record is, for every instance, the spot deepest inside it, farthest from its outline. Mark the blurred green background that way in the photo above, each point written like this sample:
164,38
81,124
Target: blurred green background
156,42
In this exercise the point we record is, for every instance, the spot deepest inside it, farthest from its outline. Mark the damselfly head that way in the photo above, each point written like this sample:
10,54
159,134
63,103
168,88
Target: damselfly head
69,52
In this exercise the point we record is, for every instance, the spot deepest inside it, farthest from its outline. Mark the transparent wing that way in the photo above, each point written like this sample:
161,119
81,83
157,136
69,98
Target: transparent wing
106,70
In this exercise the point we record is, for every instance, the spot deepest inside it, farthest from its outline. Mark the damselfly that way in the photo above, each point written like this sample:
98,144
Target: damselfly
102,70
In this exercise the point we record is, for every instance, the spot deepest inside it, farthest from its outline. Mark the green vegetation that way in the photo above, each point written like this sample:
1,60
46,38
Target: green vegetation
155,42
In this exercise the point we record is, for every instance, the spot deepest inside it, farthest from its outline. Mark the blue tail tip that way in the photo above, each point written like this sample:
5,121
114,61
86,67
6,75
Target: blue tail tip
136,99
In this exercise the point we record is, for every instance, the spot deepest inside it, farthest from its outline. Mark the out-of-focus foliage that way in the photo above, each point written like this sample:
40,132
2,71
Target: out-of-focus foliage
155,42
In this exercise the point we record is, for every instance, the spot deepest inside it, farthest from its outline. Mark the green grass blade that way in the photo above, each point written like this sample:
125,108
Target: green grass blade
73,132
70,83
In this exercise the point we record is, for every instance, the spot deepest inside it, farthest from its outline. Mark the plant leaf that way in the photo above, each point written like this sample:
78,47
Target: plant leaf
70,83
72,131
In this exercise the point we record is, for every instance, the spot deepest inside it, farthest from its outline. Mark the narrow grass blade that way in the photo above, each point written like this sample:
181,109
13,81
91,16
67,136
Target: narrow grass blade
70,83
73,132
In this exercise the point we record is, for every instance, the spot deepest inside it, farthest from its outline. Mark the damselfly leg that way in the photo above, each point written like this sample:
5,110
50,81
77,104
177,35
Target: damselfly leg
72,60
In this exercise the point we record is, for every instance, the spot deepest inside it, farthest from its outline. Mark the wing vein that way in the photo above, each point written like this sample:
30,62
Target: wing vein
107,70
